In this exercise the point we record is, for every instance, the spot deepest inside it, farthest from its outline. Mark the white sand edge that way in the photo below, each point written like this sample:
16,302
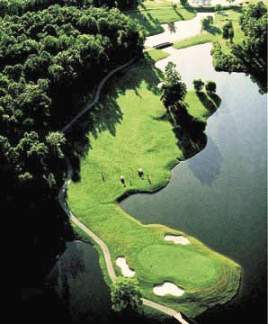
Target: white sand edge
121,262
177,239
168,288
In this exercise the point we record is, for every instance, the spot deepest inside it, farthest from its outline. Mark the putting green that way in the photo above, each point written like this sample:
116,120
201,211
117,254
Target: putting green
179,265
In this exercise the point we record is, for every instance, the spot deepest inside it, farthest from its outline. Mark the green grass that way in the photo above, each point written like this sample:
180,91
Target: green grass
157,54
195,40
129,133
215,34
151,14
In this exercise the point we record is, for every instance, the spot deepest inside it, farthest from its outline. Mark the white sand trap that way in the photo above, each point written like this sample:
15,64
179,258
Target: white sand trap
181,29
168,288
125,270
177,239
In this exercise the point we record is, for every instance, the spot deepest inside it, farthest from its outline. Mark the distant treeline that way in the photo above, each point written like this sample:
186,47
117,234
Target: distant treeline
250,56
18,7
46,58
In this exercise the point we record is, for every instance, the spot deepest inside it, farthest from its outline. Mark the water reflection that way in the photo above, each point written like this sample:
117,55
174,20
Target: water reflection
79,284
207,167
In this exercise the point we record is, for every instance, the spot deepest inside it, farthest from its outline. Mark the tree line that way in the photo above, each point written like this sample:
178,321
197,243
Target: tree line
47,58
250,55
19,7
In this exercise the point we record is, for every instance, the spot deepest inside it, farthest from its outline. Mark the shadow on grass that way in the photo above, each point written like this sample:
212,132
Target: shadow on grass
151,25
191,139
214,30
107,114
177,12
210,101
189,131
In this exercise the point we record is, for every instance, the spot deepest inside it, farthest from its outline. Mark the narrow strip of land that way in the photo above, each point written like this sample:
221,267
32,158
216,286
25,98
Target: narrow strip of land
61,198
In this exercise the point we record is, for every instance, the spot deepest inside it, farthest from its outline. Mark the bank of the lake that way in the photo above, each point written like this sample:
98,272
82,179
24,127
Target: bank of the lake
131,133
219,195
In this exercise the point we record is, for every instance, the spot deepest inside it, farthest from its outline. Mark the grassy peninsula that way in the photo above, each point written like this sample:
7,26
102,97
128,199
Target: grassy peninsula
139,137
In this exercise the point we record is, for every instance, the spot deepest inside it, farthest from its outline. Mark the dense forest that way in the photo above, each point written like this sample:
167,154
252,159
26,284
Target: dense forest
250,56
18,7
46,57
52,56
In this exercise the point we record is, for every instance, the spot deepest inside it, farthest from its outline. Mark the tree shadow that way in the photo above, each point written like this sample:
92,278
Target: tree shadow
172,27
210,101
107,114
206,167
257,69
33,253
214,30
189,132
177,12
150,24
191,139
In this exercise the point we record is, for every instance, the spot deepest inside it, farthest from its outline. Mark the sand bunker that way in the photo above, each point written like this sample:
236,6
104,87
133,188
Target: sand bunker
177,239
168,288
121,262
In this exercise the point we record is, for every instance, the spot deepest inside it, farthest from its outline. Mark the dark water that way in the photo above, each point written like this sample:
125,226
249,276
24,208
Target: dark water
78,289
78,282
219,195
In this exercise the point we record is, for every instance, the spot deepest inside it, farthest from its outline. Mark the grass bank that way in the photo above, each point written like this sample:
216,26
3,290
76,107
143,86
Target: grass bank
129,133
151,14
157,54
214,34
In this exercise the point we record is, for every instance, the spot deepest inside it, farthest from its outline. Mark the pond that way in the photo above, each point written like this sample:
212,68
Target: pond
219,195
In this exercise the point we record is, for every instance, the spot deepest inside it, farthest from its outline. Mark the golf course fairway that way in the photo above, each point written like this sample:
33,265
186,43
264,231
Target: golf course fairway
130,133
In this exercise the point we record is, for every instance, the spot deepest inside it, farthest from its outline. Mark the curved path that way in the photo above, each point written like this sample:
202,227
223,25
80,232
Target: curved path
181,29
62,195
88,106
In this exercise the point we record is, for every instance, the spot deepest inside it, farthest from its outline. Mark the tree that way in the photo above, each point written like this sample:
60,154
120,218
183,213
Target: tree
126,295
55,141
228,31
198,85
250,14
211,87
184,3
207,22
218,8
173,89
49,59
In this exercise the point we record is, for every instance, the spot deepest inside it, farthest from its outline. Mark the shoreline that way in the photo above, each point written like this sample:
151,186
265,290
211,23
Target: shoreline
149,228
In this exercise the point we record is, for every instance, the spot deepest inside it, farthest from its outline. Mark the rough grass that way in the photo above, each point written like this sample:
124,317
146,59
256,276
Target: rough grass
151,14
139,137
215,33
